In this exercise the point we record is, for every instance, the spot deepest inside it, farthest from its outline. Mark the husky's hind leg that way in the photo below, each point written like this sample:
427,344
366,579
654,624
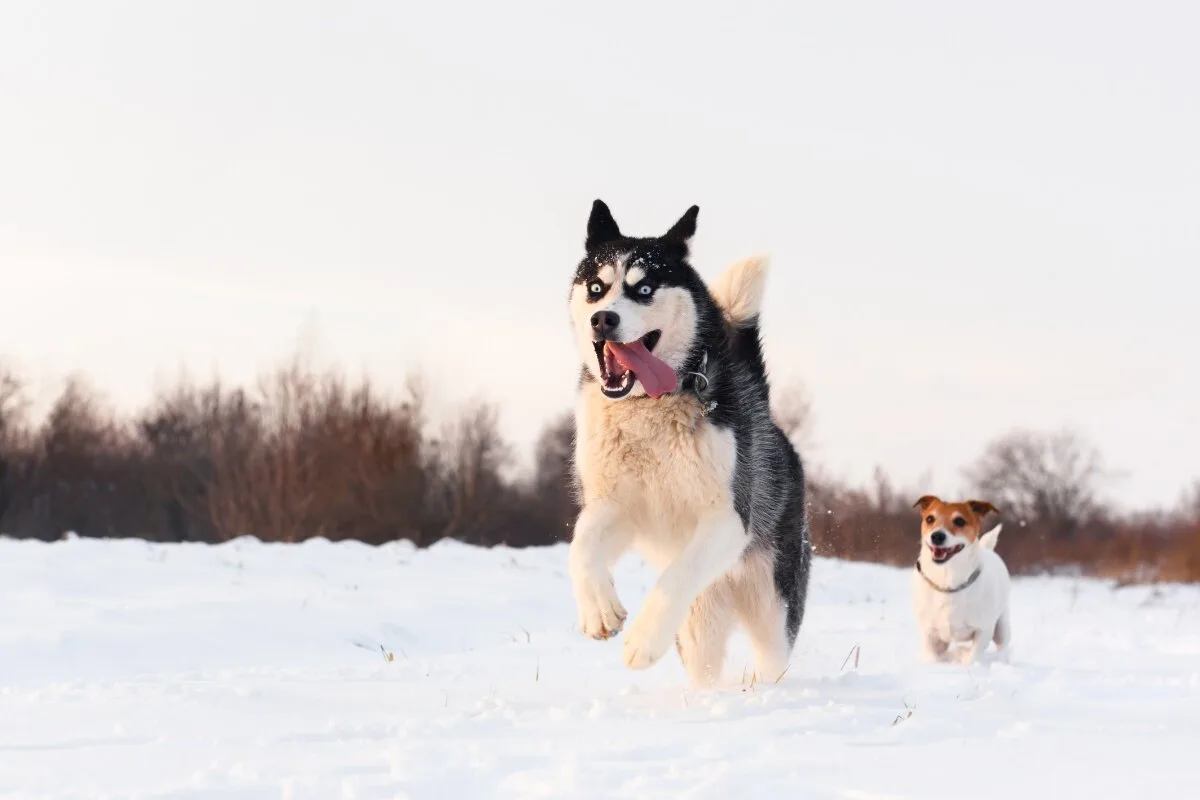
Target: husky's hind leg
702,639
762,613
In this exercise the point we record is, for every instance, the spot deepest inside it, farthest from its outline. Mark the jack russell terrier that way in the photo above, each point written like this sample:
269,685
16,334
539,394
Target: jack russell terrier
960,585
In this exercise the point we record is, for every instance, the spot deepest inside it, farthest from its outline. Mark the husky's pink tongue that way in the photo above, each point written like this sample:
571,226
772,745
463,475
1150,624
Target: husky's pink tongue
657,378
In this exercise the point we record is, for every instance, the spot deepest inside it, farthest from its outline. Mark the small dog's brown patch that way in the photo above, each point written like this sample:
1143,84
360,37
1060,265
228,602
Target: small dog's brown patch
964,519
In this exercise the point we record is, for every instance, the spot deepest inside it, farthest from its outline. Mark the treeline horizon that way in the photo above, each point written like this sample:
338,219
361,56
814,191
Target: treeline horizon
308,453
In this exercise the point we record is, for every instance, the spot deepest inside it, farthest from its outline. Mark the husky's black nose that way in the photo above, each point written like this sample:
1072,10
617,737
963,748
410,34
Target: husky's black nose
937,539
604,324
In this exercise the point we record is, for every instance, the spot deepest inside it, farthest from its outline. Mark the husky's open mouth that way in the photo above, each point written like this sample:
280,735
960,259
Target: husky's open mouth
624,363
943,554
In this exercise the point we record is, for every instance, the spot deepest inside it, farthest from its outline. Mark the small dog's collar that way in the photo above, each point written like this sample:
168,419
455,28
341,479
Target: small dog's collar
974,577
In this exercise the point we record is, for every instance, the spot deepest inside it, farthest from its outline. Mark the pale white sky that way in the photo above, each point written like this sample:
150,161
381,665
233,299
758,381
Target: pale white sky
981,215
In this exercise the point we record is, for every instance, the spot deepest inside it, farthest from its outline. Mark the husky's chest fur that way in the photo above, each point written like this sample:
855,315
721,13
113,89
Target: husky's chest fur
660,460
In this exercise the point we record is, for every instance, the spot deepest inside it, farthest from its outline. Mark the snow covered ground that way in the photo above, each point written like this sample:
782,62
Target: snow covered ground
130,669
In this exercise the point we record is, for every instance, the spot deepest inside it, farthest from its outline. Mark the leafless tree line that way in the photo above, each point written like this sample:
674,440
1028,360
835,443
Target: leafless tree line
309,454
301,455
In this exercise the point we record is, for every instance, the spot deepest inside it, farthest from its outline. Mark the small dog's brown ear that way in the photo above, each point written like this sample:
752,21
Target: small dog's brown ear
982,507
925,501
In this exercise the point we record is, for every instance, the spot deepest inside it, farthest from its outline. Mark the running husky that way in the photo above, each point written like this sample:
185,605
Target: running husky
676,456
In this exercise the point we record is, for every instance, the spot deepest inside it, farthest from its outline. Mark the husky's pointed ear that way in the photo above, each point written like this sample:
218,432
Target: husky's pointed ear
685,228
982,507
602,227
925,501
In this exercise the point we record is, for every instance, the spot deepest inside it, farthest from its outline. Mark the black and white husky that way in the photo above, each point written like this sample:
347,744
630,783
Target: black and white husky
677,457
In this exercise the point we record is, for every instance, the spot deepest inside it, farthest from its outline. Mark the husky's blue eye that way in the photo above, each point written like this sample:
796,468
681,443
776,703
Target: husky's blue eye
596,287
644,289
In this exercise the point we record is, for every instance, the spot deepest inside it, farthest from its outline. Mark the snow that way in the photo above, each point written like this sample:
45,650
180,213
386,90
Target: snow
130,669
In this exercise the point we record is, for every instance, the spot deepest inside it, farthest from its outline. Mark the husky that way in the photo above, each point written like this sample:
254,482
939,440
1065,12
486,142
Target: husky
677,456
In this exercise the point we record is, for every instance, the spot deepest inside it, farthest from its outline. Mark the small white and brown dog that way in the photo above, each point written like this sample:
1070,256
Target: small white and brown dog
960,585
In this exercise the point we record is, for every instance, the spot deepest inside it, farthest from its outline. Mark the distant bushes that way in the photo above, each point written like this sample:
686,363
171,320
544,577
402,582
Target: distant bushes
308,454
303,455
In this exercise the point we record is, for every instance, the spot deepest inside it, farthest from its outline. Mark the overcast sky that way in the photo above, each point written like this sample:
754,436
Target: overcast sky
982,216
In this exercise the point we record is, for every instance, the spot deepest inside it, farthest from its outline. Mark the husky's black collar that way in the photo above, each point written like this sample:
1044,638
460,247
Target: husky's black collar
697,383
946,590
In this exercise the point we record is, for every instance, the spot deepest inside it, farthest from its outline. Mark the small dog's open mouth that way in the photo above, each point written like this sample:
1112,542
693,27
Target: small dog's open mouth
943,554
624,363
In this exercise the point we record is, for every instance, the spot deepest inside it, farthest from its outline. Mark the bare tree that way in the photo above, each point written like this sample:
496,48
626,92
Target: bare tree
80,469
553,484
1189,504
12,401
12,434
468,462
1045,477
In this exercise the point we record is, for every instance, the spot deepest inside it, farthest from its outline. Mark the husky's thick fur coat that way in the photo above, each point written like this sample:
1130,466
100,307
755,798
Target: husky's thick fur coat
677,457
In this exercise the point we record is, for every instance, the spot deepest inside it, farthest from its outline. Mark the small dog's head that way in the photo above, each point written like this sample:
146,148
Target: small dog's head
637,307
947,528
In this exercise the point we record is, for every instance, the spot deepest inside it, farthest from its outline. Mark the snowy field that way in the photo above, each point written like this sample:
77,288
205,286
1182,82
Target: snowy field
130,669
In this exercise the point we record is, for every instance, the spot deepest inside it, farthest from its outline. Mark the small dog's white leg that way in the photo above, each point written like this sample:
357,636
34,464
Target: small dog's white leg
715,548
933,648
974,652
1003,635
600,539
702,639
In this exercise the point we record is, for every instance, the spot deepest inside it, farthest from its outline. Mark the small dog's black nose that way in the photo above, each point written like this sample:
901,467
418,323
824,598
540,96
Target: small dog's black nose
604,323
937,539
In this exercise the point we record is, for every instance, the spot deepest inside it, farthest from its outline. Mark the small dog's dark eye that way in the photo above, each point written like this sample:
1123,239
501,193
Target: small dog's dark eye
929,520
596,287
959,522
644,289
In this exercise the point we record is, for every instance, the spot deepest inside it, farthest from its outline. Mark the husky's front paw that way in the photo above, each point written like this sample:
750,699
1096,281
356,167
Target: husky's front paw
601,614
648,638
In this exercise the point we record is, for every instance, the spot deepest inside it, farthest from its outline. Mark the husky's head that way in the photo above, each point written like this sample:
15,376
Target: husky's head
638,308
